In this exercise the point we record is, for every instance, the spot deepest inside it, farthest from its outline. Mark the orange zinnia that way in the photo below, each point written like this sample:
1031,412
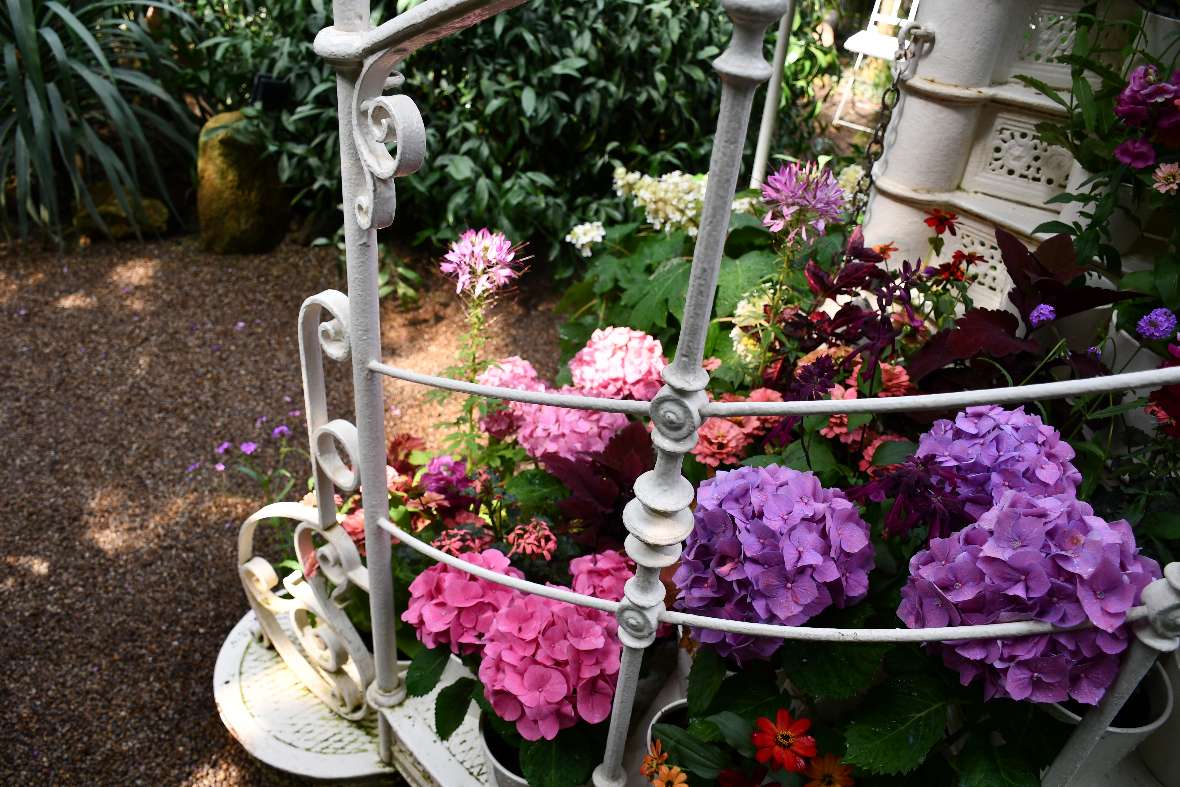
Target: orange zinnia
783,744
828,771
654,759
670,776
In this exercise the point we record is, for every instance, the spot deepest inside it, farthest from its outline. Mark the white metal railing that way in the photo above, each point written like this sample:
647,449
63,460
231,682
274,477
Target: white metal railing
659,518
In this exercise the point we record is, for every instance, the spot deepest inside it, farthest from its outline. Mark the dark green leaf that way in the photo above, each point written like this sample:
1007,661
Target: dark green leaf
984,765
831,670
737,277
898,725
690,752
451,704
704,679
535,490
893,452
425,670
566,761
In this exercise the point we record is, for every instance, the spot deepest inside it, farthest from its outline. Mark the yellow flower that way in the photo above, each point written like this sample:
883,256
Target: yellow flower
654,759
670,776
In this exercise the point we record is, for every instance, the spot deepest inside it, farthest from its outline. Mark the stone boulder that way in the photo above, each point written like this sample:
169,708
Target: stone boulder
241,203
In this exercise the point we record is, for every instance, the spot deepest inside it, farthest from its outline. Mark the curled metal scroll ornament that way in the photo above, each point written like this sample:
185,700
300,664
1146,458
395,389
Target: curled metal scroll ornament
318,643
379,120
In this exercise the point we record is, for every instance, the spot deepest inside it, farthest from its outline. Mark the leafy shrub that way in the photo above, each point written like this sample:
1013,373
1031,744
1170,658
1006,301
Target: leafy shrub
82,103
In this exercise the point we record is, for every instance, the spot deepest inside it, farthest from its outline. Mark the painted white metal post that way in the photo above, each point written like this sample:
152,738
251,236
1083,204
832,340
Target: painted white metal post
659,518
774,91
365,341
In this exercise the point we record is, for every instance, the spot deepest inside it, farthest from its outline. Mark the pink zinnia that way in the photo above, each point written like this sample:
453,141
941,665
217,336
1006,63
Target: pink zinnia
720,441
838,424
802,196
895,380
619,363
1167,178
481,262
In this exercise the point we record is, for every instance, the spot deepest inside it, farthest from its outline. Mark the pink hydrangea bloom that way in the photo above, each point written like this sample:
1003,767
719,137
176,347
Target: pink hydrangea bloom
602,575
511,372
481,262
720,441
619,363
547,665
532,539
451,607
569,433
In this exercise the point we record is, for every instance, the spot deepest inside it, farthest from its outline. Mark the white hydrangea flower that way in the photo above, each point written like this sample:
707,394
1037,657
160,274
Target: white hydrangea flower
585,235
750,312
669,202
849,177
750,205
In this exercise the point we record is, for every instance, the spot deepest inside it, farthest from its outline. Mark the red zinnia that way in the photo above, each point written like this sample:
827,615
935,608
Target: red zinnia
783,744
966,258
941,220
951,271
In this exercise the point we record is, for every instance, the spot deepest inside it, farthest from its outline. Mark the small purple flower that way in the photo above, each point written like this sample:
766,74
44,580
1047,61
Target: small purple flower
260,420
248,447
1041,314
192,467
1094,352
219,467
240,325
1157,324
295,414
1136,153
280,431
223,447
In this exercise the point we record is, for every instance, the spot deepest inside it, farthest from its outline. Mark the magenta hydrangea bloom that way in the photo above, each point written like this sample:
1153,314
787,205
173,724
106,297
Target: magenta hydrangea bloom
802,196
544,429
1032,558
619,363
547,665
450,607
602,575
511,372
989,450
770,545
481,262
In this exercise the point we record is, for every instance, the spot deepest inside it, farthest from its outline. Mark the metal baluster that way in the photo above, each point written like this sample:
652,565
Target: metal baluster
774,92
659,518
1160,633
365,335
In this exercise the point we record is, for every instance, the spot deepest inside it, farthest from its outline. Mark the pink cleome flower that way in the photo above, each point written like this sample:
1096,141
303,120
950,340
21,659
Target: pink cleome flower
619,363
451,607
481,262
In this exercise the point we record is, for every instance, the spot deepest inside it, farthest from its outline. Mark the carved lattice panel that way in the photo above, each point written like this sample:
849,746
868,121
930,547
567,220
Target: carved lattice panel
1049,33
991,286
1009,160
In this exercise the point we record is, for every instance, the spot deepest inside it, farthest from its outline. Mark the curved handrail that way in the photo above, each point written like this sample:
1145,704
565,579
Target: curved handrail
421,25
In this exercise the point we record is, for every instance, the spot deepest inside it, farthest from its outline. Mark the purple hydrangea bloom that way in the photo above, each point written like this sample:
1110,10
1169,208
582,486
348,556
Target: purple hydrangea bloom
1041,314
770,545
990,450
1157,324
1032,558
802,196
448,477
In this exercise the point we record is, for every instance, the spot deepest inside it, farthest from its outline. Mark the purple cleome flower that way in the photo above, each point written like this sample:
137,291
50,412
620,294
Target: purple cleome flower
802,196
481,262
770,545
988,450
1032,558
248,447
1157,324
1041,314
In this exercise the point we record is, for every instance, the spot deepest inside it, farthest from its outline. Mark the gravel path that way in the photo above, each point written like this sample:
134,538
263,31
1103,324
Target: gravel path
122,365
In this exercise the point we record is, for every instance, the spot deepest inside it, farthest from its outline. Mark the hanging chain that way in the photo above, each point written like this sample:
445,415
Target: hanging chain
905,54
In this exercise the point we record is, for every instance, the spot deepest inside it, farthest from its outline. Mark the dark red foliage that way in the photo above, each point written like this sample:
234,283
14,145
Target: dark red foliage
401,446
978,332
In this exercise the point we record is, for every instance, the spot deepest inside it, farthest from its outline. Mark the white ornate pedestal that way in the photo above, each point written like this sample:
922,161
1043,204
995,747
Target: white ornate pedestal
280,722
